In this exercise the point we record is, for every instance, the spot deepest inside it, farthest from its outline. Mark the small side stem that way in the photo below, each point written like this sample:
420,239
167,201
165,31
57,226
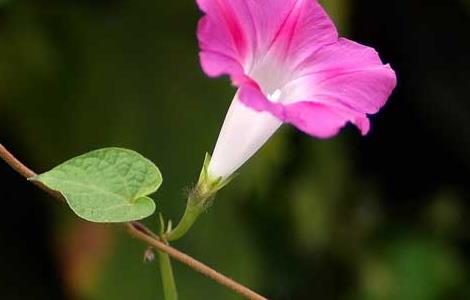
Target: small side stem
199,200
191,214
168,278
140,232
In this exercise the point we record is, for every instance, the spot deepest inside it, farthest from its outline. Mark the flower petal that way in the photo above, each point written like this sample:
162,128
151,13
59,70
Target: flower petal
215,64
314,118
306,30
344,74
320,120
243,32
340,83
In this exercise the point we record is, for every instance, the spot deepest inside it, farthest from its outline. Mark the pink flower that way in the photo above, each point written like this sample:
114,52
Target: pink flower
290,66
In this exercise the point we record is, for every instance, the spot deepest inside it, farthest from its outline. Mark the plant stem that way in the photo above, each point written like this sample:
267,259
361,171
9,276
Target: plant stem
166,271
199,199
168,278
141,232
191,214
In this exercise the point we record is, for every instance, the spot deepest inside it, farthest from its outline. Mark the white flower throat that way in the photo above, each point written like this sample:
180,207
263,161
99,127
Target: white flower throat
244,130
275,96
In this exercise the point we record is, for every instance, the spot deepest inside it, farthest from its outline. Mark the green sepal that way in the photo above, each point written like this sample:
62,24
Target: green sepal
208,186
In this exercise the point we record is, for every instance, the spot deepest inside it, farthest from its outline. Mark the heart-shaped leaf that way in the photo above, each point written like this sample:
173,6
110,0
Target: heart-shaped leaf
109,185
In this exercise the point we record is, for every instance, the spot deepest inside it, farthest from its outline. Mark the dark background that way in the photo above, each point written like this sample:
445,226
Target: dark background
375,218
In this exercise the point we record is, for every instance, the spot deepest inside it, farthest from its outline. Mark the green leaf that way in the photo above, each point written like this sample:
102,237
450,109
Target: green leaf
109,185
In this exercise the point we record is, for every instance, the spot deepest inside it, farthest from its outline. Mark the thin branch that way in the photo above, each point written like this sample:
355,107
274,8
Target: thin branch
26,172
144,234
194,264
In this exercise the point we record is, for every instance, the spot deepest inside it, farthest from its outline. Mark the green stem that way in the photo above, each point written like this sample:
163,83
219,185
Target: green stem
199,200
168,279
191,214
166,271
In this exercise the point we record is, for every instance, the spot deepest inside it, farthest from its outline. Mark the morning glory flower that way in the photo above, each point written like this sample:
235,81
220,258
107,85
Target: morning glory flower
290,66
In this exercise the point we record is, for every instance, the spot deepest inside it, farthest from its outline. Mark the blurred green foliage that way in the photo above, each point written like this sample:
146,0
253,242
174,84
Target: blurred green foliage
299,222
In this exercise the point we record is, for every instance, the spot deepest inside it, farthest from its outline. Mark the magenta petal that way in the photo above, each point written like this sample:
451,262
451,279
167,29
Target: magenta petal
244,32
251,95
344,74
221,31
215,64
314,118
306,29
